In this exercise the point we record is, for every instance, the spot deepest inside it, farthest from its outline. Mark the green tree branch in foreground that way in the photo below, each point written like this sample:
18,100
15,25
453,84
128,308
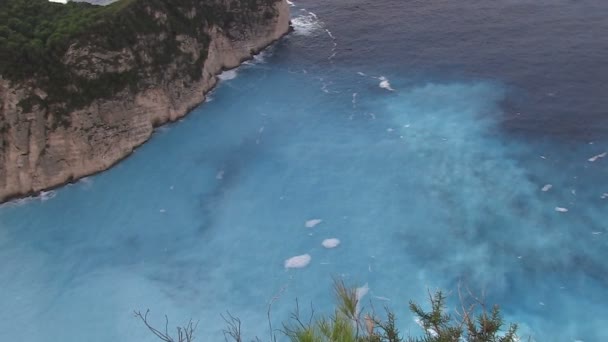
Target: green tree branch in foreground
348,324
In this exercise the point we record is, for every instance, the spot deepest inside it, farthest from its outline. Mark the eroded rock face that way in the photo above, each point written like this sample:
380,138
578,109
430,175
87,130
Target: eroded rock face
38,152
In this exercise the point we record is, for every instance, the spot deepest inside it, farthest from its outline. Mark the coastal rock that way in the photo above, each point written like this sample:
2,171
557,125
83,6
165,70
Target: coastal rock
41,150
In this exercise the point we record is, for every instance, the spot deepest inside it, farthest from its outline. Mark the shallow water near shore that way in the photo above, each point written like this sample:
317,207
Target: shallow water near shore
435,164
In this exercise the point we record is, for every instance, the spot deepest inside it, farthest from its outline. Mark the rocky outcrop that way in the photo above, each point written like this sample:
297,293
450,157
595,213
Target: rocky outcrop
39,150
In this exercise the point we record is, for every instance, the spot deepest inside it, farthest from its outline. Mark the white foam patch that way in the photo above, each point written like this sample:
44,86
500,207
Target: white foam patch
47,195
290,3
227,75
330,243
312,223
298,261
87,182
561,209
43,196
306,25
259,58
604,195
360,292
385,84
547,187
17,202
324,88
162,129
596,157
431,331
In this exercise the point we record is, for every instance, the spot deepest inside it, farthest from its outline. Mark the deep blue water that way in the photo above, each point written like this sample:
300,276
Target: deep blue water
436,183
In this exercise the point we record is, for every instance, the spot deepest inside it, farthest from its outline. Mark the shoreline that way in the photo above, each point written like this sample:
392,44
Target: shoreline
73,180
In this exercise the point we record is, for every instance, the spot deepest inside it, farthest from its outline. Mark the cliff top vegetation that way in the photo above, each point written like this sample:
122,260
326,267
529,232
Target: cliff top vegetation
34,32
35,36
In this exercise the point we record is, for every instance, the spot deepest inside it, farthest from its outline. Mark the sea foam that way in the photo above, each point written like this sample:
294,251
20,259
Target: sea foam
227,75
385,84
360,292
330,243
299,261
306,25
312,223
596,157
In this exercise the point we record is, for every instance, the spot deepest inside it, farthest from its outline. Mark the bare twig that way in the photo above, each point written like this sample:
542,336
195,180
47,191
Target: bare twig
184,334
276,297
467,314
234,328
312,314
296,315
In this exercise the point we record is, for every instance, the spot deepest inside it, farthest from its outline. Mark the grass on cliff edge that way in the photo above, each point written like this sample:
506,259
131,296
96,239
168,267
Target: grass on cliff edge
472,323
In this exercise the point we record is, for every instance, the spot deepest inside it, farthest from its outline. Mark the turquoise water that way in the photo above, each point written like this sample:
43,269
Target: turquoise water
415,174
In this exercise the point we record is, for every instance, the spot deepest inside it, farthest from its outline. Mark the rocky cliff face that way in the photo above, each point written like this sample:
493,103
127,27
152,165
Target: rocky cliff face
39,149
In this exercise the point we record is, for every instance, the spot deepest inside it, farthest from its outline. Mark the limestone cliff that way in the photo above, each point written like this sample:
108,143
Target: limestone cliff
53,135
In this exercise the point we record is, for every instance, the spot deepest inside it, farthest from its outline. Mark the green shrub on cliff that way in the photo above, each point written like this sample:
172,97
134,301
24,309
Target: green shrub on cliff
36,34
